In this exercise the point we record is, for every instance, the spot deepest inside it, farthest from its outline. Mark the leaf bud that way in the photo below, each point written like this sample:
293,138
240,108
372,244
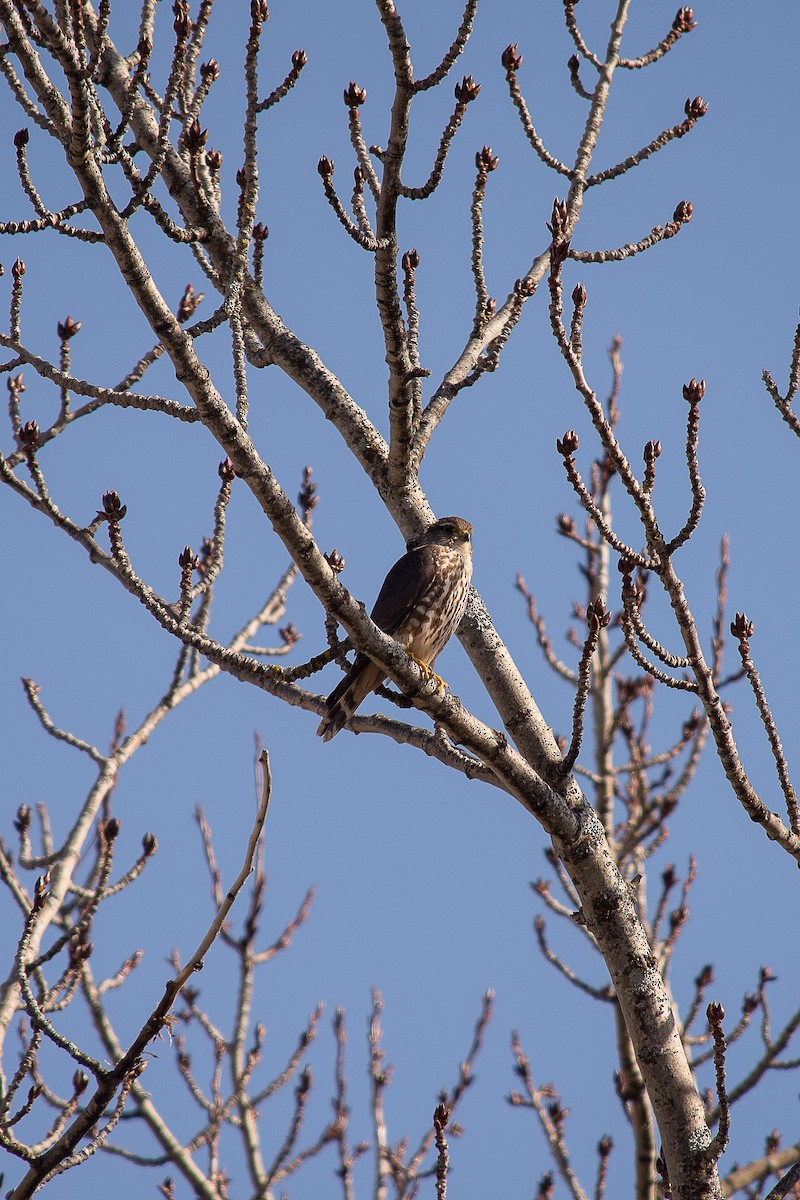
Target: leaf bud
440,1117
715,1013
694,390
29,435
182,23
196,137
336,561
467,90
113,508
22,821
68,328
210,71
354,96
683,21
110,829
485,161
742,627
511,58
695,109
683,213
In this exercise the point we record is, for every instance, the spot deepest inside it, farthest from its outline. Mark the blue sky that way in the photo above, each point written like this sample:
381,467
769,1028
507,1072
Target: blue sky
422,878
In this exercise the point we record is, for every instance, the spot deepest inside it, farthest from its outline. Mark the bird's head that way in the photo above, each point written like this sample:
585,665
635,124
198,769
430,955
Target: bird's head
448,531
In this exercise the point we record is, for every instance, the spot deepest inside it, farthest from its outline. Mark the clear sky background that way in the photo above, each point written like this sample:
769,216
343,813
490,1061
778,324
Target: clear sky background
422,878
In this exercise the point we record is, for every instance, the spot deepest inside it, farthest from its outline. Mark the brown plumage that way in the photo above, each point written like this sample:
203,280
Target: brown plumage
420,604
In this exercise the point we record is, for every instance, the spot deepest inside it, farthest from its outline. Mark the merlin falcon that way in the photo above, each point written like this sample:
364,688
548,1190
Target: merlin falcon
420,605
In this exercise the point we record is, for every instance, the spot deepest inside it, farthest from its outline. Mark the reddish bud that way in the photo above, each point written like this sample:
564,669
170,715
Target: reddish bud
511,58
299,59
693,391
210,71
485,161
691,726
440,1117
22,821
467,90
683,213
325,167
354,96
307,497
196,137
190,301
113,508
597,615
684,21
669,876
567,445
336,561
715,1013
29,435
705,978
182,23
558,220
21,138
68,328
743,628
695,109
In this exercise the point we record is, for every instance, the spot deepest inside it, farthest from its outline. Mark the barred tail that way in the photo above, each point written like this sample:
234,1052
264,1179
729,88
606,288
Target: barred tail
362,678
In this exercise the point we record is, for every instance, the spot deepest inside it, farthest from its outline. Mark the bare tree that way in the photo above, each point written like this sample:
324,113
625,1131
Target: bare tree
127,120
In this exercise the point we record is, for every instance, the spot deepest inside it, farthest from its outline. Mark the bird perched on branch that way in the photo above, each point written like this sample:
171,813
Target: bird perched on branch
420,604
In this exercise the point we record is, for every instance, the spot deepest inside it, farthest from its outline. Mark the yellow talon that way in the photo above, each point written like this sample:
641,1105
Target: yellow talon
429,672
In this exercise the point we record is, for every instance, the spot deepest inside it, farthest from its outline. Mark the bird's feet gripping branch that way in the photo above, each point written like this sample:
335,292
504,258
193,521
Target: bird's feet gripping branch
421,604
